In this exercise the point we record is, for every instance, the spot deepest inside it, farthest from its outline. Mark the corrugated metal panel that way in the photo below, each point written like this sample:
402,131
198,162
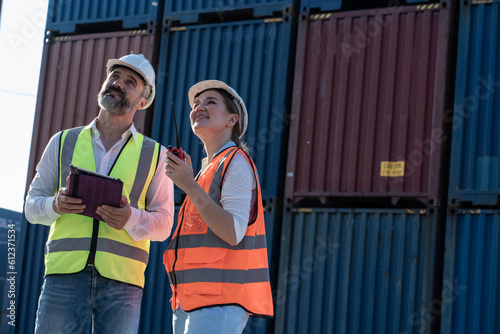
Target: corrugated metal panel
73,70
252,57
308,6
471,282
30,274
220,11
369,99
475,152
68,16
10,225
356,271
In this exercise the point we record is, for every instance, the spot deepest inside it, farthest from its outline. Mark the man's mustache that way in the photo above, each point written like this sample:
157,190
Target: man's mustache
116,89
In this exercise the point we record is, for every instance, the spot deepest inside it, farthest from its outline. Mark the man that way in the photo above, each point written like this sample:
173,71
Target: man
94,270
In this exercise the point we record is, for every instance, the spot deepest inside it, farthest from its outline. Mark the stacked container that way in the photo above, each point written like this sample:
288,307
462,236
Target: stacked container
80,37
369,106
470,283
361,247
250,47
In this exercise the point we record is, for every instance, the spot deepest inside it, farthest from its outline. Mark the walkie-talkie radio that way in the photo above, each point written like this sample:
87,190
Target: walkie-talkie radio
176,150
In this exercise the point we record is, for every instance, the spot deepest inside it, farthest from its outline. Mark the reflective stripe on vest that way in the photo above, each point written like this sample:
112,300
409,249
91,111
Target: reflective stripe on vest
209,275
104,245
117,255
207,270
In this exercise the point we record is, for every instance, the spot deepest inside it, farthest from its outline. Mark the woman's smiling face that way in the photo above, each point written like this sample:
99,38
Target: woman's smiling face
209,114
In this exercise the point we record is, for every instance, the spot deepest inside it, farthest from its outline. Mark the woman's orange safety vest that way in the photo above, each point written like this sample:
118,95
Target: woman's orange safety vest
204,270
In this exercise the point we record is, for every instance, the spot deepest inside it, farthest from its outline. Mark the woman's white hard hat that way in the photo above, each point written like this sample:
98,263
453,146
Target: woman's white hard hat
212,84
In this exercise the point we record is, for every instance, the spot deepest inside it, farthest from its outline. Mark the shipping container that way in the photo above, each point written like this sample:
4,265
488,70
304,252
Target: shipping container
475,149
83,16
356,271
313,6
30,274
10,225
371,91
316,6
205,11
471,279
253,57
72,71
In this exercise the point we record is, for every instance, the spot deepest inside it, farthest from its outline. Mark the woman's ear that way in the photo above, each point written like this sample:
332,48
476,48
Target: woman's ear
232,120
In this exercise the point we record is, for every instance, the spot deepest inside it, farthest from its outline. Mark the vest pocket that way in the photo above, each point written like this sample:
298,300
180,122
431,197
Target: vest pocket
205,272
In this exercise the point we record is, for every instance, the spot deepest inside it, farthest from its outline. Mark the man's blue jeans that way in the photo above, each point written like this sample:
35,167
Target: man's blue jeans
74,303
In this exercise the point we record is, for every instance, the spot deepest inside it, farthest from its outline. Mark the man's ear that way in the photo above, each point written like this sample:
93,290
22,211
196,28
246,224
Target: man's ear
142,104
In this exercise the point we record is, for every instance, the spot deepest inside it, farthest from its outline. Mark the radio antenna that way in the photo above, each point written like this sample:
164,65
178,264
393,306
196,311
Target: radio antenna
176,131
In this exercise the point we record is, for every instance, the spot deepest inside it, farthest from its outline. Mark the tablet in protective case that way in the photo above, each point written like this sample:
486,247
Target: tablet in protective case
94,189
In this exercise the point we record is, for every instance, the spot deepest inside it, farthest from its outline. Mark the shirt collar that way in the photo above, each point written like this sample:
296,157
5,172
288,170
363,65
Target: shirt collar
228,144
92,126
204,161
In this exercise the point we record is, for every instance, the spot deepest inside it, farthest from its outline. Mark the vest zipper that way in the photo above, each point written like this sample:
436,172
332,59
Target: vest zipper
93,242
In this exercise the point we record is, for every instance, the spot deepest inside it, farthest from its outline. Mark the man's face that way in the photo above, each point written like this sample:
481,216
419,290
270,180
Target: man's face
122,92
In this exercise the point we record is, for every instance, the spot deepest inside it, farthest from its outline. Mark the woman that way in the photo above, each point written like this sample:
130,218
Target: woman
217,258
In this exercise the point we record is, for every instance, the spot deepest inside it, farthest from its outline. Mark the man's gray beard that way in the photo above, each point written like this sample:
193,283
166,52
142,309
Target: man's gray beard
109,103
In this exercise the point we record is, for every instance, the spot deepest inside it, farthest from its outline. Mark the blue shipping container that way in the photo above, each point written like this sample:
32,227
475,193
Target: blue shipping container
30,273
308,6
10,225
356,271
314,6
65,16
471,279
192,11
475,148
253,57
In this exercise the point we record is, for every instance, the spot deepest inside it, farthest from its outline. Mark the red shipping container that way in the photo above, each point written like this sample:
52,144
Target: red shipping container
73,70
370,99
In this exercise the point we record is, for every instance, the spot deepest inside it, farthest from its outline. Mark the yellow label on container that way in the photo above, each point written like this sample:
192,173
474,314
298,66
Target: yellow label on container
392,168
